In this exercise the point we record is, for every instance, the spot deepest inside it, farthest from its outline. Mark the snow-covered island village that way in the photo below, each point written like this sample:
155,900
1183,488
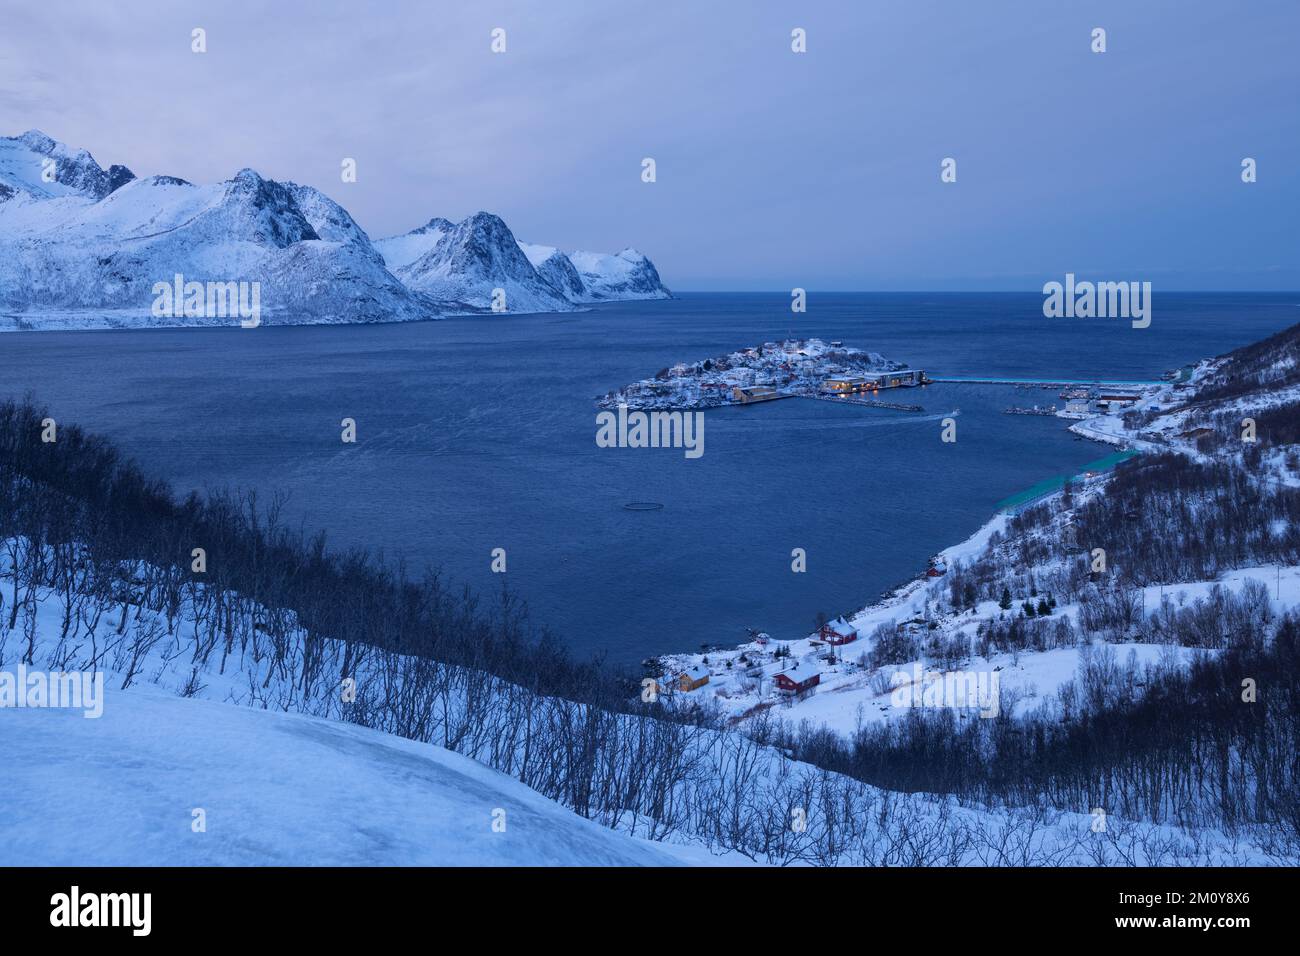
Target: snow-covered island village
808,368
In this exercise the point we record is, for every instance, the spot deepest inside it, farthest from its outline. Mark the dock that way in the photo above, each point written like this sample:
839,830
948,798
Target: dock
1045,382
1030,411
866,402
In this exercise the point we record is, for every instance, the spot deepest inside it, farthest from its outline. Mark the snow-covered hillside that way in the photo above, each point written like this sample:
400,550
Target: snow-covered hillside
85,247
272,789
1243,407
854,690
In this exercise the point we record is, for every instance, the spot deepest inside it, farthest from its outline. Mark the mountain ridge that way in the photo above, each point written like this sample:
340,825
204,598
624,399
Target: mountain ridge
82,246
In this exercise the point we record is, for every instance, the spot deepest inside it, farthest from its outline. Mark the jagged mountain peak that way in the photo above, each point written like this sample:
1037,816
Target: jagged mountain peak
38,141
436,224
485,229
273,207
39,165
477,244
473,259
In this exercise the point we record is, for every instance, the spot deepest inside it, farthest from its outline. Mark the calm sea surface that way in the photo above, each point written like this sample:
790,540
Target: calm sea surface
479,433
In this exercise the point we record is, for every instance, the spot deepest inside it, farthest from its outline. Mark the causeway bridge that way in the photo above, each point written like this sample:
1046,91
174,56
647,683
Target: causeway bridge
1042,382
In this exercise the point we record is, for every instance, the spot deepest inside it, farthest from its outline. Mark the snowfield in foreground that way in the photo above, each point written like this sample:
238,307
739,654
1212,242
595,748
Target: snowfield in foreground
276,788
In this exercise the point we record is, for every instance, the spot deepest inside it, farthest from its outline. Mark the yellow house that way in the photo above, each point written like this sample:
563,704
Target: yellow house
689,680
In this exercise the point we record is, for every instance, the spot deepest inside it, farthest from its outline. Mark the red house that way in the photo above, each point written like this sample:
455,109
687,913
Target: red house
795,682
837,632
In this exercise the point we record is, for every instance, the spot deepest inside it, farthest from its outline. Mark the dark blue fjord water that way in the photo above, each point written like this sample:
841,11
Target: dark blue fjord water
479,433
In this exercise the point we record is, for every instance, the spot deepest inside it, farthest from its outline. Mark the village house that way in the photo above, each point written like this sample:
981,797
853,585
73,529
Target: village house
796,679
837,632
694,678
1109,401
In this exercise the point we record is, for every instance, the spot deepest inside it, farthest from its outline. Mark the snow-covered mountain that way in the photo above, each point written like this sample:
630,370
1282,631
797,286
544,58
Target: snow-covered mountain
36,165
465,262
624,275
469,261
94,242
83,246
596,276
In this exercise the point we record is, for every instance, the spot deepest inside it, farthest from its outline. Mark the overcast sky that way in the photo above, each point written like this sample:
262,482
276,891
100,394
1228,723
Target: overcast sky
774,169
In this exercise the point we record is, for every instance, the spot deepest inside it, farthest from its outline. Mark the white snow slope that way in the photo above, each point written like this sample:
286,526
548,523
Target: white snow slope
275,789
